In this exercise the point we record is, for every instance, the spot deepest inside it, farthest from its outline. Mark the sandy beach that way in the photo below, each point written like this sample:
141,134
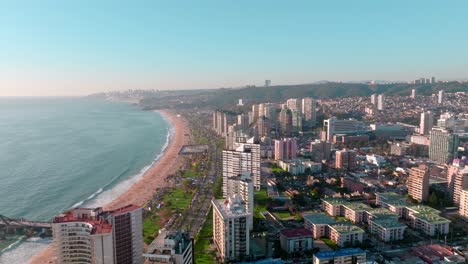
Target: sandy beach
143,189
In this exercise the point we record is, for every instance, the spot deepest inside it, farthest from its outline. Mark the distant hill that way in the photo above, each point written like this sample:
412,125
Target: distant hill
280,93
228,97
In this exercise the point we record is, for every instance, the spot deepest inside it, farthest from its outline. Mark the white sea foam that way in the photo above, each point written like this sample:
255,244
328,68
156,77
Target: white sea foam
22,250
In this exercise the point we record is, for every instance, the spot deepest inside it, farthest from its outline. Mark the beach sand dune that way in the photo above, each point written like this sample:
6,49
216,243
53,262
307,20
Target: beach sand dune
143,189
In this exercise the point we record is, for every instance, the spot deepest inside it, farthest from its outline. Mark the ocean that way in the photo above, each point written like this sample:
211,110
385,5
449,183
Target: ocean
58,153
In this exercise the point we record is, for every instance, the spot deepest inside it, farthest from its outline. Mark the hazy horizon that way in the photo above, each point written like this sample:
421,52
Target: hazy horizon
55,48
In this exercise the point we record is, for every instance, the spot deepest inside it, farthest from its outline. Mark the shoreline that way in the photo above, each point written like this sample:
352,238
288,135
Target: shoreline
142,190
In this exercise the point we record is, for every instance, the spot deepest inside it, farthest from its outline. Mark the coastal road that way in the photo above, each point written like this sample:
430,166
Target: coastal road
194,217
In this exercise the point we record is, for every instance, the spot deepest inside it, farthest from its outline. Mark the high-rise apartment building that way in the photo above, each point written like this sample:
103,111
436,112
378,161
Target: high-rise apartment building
320,150
243,122
433,80
443,146
345,159
285,122
255,113
95,236
457,178
309,113
242,186
263,127
296,121
82,235
285,149
373,99
426,123
127,227
220,123
381,102
413,93
245,158
293,104
231,233
418,183
441,97
463,211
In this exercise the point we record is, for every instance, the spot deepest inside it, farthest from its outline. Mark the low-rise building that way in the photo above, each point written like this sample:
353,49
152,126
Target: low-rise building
421,217
387,228
296,240
318,224
345,235
333,206
342,256
427,219
171,246
355,212
392,201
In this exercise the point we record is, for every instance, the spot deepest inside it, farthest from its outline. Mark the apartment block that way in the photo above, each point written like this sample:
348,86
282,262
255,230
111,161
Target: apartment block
342,256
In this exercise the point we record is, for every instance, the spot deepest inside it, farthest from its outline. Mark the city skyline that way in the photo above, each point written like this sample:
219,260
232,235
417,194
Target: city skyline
60,49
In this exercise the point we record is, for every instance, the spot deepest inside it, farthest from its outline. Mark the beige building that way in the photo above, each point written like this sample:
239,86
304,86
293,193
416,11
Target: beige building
464,204
170,246
418,183
355,212
345,159
457,178
345,235
231,233
387,228
246,158
427,219
318,224
342,256
242,185
88,235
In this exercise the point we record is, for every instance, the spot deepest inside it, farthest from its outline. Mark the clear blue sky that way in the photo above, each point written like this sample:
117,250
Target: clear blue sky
79,47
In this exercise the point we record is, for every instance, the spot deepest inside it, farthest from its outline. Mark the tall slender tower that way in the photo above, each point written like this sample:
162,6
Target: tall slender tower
309,114
441,97
381,102
426,123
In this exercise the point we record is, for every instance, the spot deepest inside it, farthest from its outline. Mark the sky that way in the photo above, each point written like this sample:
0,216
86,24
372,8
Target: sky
56,48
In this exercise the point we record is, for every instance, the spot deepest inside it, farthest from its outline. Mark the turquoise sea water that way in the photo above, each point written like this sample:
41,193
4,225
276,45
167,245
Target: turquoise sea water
56,153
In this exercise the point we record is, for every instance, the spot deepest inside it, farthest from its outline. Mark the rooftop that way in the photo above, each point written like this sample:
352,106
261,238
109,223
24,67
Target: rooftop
346,228
170,240
423,209
387,222
86,215
125,209
357,206
339,253
297,232
319,218
193,149
334,200
231,208
432,218
380,211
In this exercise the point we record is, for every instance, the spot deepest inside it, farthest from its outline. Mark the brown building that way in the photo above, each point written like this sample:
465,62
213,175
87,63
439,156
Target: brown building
345,159
418,183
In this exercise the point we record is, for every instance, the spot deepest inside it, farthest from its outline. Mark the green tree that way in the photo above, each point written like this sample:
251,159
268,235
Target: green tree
433,200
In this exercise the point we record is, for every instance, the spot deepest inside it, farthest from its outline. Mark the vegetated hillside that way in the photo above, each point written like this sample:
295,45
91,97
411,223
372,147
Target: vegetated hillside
280,93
